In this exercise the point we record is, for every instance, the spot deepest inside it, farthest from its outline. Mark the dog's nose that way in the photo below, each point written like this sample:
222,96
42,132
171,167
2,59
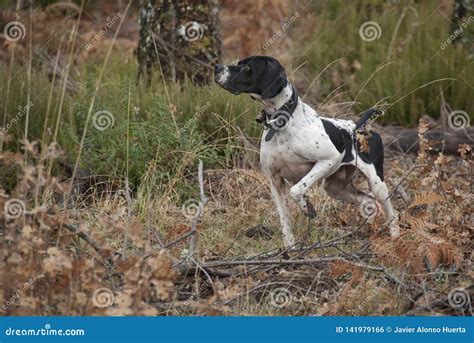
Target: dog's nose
218,68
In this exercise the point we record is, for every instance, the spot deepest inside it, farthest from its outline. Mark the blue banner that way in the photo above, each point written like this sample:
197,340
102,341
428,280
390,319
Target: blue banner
237,329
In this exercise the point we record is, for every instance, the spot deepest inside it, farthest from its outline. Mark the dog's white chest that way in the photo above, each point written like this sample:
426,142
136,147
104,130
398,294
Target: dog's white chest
287,152
279,157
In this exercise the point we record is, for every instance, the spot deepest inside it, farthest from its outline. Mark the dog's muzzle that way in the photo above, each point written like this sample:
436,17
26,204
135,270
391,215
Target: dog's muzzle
221,76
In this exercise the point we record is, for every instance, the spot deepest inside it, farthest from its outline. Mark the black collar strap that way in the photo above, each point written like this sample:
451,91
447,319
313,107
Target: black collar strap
277,120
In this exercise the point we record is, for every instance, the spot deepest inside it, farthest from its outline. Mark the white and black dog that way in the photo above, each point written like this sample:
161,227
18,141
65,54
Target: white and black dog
300,148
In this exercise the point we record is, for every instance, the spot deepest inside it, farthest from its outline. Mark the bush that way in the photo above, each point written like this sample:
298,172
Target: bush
143,132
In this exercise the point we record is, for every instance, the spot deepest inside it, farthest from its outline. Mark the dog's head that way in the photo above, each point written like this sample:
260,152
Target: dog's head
261,76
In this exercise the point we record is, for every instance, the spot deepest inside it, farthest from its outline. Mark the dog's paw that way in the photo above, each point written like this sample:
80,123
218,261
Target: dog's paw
395,232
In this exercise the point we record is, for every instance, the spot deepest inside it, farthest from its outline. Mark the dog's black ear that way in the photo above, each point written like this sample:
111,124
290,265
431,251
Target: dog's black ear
272,80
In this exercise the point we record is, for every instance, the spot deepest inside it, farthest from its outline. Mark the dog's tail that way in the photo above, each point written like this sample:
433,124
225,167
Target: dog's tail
366,116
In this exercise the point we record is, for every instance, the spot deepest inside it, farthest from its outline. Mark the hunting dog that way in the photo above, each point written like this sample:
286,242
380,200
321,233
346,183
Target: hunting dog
299,147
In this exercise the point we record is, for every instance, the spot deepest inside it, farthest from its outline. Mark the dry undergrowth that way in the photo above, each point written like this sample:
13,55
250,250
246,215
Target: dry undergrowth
62,256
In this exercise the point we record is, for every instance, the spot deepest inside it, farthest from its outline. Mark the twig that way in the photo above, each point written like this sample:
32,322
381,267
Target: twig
90,241
179,239
271,261
207,275
197,216
129,215
152,230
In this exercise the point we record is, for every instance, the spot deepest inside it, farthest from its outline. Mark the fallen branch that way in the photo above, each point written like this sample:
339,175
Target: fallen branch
407,140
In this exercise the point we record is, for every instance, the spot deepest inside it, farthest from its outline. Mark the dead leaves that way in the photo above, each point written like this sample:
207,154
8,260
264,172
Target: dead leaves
56,262
69,271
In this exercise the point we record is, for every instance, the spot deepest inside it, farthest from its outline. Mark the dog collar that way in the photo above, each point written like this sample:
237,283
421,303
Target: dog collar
277,120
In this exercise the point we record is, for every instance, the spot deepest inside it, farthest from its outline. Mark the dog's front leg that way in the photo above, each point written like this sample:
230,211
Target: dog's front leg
320,170
277,186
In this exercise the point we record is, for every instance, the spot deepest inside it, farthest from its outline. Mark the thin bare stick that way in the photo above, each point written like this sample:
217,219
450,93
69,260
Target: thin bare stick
197,216
272,261
129,215
81,234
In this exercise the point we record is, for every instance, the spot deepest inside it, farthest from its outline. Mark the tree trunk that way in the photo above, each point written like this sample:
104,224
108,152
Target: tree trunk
179,38
156,20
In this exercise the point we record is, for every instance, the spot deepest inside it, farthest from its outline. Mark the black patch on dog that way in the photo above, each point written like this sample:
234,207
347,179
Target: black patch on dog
375,155
341,139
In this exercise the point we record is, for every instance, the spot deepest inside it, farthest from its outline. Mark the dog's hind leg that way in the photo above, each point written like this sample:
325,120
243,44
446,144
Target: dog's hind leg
277,187
378,187
339,186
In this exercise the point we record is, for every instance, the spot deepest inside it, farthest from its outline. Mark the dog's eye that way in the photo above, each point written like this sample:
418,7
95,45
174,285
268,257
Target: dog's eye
247,68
